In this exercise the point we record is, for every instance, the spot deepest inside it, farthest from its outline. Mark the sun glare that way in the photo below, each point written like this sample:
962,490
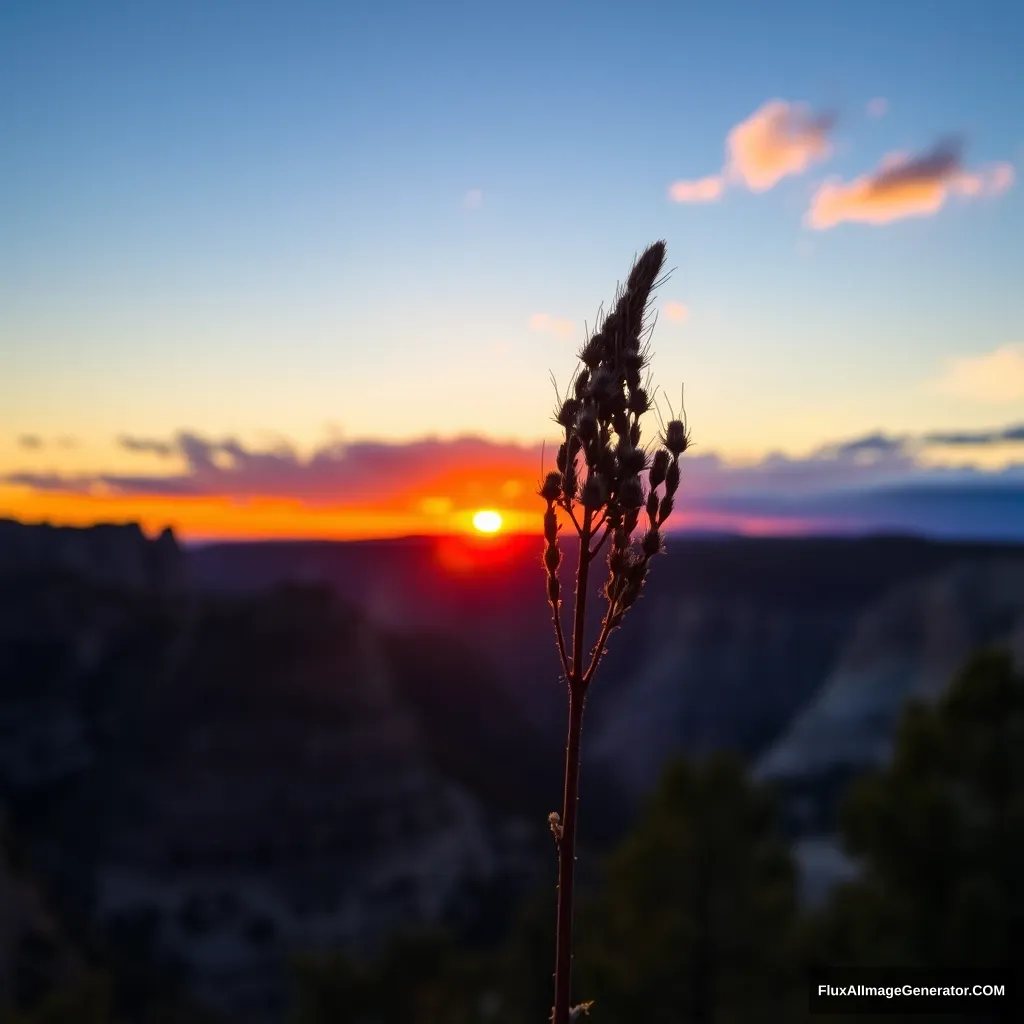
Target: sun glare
487,521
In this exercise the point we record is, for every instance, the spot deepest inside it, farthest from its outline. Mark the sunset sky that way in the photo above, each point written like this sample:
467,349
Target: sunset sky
305,268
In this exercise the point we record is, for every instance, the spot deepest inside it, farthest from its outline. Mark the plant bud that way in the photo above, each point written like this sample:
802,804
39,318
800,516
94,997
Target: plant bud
652,506
632,461
553,589
566,415
586,423
672,478
631,493
667,504
594,493
651,544
602,385
551,490
552,556
639,402
676,440
659,467
593,352
550,525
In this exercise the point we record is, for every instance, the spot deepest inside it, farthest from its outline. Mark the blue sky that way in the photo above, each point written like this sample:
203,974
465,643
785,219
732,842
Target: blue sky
291,223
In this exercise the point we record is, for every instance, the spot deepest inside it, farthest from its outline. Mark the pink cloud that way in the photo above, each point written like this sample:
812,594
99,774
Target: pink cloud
677,312
777,140
878,107
547,324
701,190
904,186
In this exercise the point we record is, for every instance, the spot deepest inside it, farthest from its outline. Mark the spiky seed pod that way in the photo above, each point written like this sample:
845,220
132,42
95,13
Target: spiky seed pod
586,423
551,489
631,494
652,506
562,458
593,352
672,478
633,304
651,544
639,402
676,439
570,482
631,518
665,510
552,558
659,467
632,461
602,385
550,524
594,493
632,358
581,384
567,412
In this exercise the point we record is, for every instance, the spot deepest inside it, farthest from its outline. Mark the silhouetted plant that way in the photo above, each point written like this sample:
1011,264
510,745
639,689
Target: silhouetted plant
598,485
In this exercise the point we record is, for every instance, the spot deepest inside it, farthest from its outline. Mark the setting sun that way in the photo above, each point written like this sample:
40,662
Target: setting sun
487,521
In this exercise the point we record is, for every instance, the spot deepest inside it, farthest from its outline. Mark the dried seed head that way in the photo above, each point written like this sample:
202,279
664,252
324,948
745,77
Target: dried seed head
659,467
651,545
567,412
593,352
631,493
602,385
550,524
632,461
586,423
676,439
581,383
652,506
594,493
552,556
672,478
638,402
551,489
667,504
632,358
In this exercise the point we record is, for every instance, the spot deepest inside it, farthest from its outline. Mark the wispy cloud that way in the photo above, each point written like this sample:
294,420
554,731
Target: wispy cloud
905,186
544,323
700,190
995,377
30,442
875,481
473,199
878,107
145,444
777,140
677,312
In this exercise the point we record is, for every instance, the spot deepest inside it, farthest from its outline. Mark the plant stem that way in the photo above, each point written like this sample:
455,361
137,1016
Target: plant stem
567,841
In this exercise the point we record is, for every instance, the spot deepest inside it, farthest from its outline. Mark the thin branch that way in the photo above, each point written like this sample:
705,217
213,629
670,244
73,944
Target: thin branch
560,638
595,658
596,550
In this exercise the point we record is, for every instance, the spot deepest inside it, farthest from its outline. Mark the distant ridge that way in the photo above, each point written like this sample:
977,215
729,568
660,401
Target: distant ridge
111,554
